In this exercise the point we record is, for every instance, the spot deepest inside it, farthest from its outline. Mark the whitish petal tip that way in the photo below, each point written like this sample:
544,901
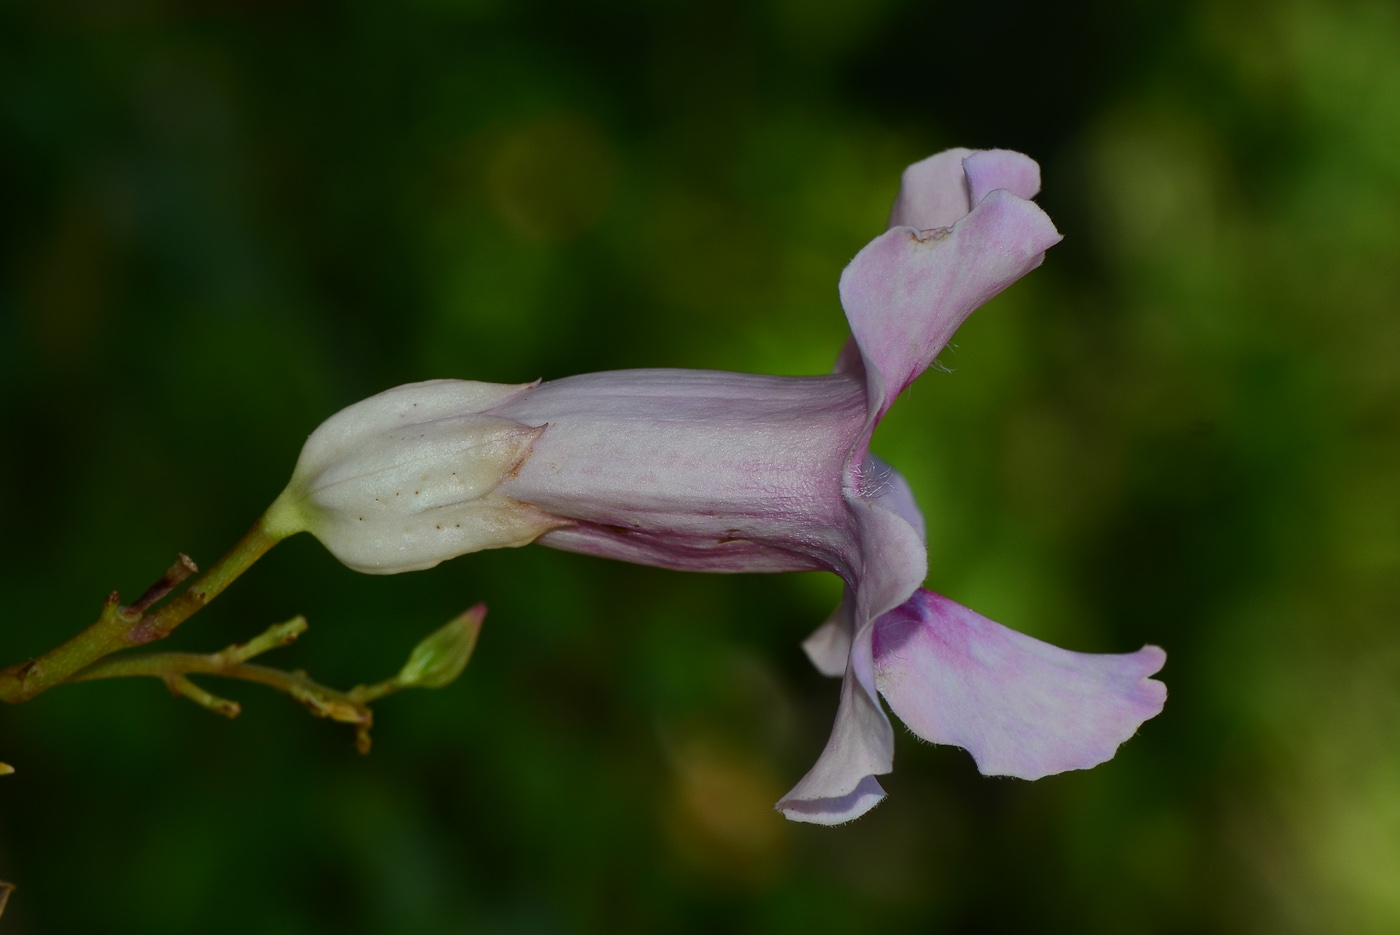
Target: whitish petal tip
834,811
1021,707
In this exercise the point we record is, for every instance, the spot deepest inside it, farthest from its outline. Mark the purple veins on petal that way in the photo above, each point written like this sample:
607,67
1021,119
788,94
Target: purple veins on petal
1021,707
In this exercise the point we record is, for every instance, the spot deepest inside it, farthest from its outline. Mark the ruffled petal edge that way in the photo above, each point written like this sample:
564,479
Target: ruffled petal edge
1020,706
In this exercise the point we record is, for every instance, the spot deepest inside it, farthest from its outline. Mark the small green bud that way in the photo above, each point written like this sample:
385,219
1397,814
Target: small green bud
439,659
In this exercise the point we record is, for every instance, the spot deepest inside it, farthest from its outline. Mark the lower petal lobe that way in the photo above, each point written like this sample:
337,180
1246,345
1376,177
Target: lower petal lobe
1021,707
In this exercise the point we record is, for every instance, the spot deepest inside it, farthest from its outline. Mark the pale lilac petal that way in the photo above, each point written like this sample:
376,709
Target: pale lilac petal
841,785
893,562
907,291
1019,706
829,646
894,559
932,192
990,169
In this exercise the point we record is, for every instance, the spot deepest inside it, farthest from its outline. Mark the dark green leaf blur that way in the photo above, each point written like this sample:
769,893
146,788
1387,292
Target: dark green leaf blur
221,221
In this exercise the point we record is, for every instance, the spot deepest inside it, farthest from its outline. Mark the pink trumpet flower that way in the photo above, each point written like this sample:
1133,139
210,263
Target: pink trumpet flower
709,471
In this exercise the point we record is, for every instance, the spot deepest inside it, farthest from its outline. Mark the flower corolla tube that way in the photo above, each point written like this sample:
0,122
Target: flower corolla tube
703,470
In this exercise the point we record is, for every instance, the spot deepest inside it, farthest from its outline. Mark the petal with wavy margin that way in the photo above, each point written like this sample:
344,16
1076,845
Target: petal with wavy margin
1021,707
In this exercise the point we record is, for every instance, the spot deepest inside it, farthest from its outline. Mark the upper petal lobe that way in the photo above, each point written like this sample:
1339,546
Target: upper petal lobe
909,289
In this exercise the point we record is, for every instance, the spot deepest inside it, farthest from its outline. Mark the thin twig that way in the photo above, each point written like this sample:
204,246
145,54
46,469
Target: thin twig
435,662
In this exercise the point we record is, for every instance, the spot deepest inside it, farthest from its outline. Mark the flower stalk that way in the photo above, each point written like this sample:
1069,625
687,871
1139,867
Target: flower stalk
123,626
434,663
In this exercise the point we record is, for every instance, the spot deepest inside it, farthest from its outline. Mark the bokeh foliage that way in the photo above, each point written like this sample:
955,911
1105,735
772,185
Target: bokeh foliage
220,221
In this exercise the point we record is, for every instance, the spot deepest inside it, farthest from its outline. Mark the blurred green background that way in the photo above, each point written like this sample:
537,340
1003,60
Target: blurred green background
221,221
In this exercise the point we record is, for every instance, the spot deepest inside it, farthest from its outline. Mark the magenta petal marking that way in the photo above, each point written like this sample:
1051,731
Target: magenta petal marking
1021,707
933,192
991,169
907,291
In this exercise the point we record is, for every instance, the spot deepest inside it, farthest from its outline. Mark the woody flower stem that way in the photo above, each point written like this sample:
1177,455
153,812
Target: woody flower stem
124,626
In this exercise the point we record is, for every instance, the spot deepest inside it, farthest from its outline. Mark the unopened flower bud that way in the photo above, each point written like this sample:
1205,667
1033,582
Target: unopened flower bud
443,654
406,479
